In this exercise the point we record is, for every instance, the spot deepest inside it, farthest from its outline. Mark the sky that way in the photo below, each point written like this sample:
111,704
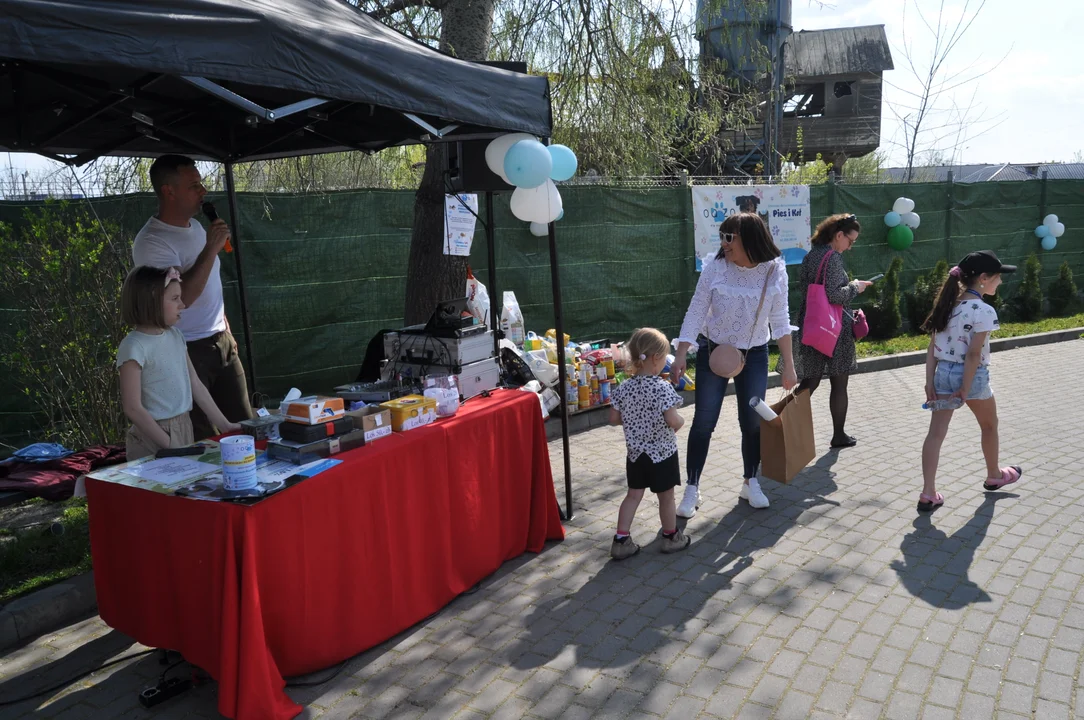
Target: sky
1033,92
1032,96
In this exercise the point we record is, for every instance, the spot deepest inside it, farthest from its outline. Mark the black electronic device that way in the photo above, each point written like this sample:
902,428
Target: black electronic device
180,451
163,691
209,211
875,278
466,170
447,320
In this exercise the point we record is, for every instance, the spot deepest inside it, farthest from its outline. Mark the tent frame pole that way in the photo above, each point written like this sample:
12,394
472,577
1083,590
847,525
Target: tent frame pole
235,237
562,374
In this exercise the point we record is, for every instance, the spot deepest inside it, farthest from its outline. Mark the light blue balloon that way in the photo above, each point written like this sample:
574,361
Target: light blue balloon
1049,242
892,218
564,162
527,164
1042,231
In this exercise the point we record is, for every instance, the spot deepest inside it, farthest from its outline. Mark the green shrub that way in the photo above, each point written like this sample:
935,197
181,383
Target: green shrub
885,320
921,299
1027,303
64,272
1062,292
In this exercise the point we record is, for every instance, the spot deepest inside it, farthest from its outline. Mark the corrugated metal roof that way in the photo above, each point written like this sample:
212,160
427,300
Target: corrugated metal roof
1063,171
989,173
838,51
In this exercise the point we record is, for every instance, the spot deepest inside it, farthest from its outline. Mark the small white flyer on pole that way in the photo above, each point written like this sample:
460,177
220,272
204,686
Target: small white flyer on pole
459,223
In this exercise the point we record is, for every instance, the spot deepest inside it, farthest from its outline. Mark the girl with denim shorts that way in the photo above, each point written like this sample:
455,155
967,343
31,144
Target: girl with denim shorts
957,367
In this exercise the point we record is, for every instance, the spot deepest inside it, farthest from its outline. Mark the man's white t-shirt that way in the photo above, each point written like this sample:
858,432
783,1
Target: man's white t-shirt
162,245
970,316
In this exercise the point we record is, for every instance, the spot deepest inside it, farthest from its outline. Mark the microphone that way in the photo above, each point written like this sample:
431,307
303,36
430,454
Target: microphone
211,214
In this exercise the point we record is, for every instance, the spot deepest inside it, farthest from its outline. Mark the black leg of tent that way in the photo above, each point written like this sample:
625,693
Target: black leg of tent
562,375
235,240
491,254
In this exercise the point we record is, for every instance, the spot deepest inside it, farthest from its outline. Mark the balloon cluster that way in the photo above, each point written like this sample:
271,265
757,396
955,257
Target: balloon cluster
902,221
520,160
1050,231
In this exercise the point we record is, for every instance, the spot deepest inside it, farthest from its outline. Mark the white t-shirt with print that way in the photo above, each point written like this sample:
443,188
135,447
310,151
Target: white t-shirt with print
165,386
971,315
642,400
162,245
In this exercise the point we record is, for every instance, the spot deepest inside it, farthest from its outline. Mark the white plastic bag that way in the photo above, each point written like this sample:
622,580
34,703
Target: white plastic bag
512,320
542,368
478,300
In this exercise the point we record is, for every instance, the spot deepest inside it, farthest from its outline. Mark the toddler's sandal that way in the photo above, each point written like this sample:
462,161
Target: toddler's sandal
929,503
1009,475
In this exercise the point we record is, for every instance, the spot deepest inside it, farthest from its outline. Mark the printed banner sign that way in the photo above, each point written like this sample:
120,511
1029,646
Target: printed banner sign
784,208
459,223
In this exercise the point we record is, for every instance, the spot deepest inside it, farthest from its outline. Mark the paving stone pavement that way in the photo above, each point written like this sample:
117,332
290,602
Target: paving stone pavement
840,601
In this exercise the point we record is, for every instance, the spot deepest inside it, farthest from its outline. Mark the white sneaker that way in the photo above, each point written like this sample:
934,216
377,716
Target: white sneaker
753,494
690,502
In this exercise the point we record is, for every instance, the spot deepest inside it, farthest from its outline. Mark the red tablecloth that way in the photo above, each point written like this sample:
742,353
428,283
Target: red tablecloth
332,566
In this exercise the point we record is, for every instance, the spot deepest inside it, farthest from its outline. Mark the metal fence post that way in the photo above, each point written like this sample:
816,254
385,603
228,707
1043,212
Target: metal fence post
950,205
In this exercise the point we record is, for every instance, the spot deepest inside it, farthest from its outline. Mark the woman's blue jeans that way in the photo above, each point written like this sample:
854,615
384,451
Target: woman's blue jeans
752,381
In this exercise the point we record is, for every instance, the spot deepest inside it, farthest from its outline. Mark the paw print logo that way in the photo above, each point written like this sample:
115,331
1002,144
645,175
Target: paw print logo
775,230
782,191
794,192
719,212
759,193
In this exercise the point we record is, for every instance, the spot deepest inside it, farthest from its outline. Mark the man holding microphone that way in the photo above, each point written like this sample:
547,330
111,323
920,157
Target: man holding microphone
171,238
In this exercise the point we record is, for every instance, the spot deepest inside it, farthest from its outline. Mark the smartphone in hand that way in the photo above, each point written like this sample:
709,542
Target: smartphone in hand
875,278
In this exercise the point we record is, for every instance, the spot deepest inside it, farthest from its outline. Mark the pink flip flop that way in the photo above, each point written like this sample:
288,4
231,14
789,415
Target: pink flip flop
929,503
1009,475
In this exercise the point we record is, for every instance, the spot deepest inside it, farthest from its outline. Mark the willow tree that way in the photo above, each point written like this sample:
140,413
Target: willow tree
627,92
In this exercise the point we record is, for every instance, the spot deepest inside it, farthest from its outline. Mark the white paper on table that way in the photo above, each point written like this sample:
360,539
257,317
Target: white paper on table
172,471
270,470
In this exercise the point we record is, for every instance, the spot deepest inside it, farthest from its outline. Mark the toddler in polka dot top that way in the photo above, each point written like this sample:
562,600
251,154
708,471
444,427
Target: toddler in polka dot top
646,405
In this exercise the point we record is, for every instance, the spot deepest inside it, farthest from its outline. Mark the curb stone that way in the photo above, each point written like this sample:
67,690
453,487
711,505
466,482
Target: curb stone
590,419
47,609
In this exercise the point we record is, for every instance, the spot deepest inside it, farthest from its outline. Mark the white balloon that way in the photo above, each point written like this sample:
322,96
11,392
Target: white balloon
540,229
1058,230
910,219
537,205
903,205
1050,220
497,149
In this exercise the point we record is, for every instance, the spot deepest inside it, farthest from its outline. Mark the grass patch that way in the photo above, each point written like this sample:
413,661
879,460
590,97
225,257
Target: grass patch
912,343
34,557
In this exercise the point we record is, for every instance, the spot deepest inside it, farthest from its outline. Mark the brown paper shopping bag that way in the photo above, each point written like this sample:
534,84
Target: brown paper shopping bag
786,443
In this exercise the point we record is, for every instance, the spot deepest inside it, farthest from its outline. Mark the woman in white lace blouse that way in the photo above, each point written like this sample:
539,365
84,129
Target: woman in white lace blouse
724,311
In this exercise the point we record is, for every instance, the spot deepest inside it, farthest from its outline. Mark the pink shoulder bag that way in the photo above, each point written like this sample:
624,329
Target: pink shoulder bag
823,320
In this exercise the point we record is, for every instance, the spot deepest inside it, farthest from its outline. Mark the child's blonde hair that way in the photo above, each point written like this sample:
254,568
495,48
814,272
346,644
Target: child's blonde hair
645,343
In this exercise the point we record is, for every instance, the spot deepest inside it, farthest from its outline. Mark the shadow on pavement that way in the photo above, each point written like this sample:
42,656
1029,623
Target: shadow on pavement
935,565
625,610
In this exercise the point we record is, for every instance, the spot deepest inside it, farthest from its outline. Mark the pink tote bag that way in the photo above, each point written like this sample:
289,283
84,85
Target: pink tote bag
823,320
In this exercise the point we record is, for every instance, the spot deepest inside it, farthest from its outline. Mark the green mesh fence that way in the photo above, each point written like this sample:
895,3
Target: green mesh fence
325,272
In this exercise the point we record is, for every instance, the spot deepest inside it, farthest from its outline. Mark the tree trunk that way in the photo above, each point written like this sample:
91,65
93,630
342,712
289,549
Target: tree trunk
432,276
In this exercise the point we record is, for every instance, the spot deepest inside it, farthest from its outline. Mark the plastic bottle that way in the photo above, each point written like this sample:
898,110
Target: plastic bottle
952,403
512,320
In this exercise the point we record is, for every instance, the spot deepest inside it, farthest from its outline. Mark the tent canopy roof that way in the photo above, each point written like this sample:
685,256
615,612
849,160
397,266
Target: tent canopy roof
238,80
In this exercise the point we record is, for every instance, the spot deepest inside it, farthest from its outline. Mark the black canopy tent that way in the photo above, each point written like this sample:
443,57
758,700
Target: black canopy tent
242,80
